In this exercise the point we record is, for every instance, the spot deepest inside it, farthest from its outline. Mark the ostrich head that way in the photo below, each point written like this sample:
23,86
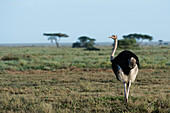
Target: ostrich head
113,37
132,62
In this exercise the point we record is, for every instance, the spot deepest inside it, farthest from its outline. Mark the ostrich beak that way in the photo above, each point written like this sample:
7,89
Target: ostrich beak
111,36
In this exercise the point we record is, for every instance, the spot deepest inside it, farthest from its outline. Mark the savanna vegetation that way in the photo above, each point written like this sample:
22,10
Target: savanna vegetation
139,37
130,40
50,79
85,42
55,37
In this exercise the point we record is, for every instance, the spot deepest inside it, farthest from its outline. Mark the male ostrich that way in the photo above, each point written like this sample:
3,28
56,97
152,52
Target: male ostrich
125,66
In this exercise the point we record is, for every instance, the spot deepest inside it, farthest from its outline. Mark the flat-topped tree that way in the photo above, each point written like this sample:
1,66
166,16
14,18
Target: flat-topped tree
138,37
85,42
54,36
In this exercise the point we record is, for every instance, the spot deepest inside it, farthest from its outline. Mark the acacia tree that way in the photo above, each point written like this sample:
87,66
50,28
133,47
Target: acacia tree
127,43
138,37
55,37
85,42
160,42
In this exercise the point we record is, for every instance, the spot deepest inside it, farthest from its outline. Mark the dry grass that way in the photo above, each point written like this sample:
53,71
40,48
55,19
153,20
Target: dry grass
48,79
83,90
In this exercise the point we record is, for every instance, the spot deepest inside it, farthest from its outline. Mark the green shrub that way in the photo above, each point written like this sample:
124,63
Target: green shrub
85,42
127,43
76,45
10,57
92,49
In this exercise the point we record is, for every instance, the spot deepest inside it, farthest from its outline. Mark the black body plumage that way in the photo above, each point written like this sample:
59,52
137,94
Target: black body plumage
122,60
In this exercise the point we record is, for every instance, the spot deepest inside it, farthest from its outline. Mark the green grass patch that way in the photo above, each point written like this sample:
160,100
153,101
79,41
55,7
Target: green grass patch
51,58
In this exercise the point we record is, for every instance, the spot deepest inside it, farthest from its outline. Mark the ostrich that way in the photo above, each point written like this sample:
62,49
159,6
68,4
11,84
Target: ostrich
125,66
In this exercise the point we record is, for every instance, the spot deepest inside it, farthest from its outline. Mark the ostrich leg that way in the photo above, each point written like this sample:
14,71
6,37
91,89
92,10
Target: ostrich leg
128,89
125,91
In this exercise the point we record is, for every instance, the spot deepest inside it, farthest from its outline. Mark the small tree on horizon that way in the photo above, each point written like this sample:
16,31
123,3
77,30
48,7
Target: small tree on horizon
138,37
85,42
54,36
127,43
160,42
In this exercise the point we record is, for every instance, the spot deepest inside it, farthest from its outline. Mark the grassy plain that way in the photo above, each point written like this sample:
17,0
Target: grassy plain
49,79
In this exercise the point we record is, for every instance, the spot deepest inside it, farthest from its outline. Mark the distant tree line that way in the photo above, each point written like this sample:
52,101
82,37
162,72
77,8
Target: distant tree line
128,41
83,41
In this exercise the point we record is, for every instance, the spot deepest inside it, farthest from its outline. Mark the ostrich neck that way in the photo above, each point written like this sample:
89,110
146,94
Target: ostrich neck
114,48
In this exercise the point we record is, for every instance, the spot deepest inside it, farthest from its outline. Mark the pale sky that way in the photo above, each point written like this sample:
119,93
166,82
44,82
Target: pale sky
25,21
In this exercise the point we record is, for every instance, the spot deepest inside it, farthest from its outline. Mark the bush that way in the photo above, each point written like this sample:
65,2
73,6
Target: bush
85,42
76,45
127,43
10,57
92,49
